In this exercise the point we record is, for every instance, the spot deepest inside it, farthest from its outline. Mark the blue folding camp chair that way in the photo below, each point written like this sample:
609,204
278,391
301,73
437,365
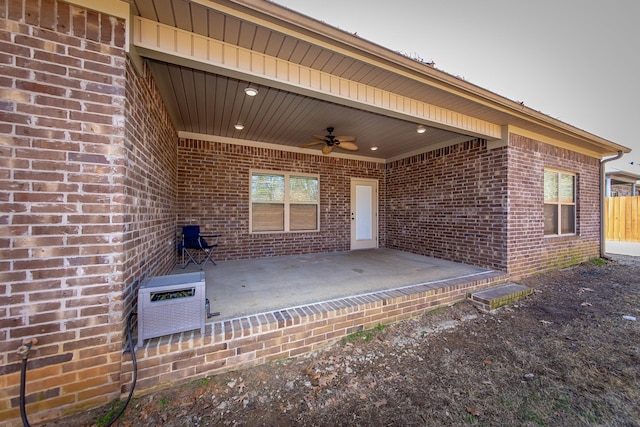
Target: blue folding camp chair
195,248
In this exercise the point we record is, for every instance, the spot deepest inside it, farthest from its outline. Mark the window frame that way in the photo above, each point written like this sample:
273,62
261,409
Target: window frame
286,202
560,203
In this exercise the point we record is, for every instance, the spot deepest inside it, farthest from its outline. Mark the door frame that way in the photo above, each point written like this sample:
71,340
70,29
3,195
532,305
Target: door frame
373,242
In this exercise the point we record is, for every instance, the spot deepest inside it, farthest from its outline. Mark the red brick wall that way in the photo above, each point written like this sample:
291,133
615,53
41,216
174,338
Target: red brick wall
623,190
450,203
150,185
86,206
460,203
62,167
213,191
528,250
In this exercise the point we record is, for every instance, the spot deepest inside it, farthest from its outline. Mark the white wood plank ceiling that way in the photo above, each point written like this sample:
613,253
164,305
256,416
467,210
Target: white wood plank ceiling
210,104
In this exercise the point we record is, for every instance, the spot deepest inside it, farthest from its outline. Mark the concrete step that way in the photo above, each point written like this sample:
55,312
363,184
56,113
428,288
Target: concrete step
492,298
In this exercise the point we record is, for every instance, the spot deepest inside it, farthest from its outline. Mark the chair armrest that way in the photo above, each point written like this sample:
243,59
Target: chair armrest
217,238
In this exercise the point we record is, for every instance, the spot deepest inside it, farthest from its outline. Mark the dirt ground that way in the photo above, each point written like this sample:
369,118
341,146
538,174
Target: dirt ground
567,355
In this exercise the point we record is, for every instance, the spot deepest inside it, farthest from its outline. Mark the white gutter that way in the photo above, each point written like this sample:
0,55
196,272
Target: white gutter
602,200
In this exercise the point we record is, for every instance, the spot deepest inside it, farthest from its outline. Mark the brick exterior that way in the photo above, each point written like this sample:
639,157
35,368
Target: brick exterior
63,96
450,203
150,186
624,190
87,202
96,183
529,251
213,191
484,207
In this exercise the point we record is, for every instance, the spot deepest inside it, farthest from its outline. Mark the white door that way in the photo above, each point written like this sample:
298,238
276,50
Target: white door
364,213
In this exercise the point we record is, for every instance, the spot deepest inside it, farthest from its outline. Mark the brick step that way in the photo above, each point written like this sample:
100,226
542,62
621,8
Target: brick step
492,298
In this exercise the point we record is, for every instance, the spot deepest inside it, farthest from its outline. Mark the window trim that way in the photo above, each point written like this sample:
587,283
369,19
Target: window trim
286,202
559,204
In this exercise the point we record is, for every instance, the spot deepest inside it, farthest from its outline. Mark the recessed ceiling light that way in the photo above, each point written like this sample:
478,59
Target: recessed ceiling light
374,148
421,129
239,126
251,91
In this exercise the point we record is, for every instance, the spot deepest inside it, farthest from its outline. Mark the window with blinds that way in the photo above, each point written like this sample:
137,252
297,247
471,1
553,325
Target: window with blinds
559,203
284,202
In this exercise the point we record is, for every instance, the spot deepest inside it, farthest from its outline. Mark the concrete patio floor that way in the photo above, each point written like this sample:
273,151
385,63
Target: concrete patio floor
245,287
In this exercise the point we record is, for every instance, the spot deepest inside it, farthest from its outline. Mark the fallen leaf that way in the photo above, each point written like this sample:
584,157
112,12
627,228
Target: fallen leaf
473,411
586,304
486,362
324,381
380,403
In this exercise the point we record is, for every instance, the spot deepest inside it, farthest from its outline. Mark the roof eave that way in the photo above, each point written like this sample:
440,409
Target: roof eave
453,84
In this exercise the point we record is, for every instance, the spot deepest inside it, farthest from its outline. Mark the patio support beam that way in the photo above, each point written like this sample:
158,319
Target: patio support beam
173,45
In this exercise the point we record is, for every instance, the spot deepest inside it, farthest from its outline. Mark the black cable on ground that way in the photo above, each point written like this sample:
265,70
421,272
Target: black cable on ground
135,372
23,382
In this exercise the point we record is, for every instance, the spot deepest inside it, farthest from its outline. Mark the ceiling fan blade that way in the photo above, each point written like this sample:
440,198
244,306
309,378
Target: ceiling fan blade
327,149
346,138
312,143
346,145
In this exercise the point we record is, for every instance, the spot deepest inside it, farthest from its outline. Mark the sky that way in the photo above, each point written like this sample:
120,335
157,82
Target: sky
577,61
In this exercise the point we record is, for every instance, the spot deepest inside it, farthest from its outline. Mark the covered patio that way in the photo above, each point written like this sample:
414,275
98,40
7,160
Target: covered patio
148,115
285,306
243,288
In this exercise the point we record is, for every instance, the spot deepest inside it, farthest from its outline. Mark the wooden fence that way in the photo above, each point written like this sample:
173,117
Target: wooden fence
622,218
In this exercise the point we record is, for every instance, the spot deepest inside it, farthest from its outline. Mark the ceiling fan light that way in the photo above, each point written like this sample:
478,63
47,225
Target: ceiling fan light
421,129
251,91
239,126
